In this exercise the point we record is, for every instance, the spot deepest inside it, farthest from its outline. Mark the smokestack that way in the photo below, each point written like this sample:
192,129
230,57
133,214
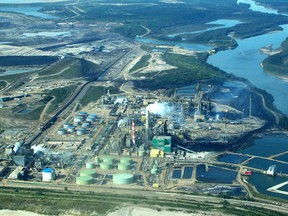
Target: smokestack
147,125
133,133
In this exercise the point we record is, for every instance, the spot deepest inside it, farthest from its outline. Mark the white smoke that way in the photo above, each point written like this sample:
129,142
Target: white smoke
159,108
16,147
38,148
121,122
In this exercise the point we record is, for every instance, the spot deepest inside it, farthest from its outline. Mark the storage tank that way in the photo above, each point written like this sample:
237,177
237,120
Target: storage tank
106,165
61,131
123,178
71,129
124,166
84,180
90,165
91,118
48,174
86,125
97,160
125,160
82,113
81,131
66,125
109,159
88,172
78,119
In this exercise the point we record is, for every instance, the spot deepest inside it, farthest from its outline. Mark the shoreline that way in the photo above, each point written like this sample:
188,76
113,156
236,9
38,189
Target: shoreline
282,77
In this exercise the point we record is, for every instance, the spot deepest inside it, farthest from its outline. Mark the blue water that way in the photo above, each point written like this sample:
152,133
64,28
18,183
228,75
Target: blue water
176,174
187,173
264,165
245,61
268,145
284,188
263,182
28,10
257,7
282,158
215,175
234,159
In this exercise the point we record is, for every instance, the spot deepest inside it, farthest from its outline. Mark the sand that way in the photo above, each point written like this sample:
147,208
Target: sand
125,211
141,211
17,213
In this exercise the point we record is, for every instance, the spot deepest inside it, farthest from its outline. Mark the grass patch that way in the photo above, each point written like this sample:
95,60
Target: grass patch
96,92
70,68
143,62
71,72
130,30
33,115
57,67
60,94
12,78
190,69
2,84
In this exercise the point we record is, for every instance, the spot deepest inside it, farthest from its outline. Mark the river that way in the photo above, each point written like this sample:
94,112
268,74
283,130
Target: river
245,61
27,10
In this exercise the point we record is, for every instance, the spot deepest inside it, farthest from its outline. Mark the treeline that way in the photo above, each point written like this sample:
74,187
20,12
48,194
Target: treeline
190,69
278,64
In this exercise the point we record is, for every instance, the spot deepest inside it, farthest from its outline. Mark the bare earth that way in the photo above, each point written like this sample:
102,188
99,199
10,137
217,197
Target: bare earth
126,211
141,211
17,213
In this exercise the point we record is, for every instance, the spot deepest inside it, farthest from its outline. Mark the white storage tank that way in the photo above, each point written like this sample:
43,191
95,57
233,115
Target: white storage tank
71,129
78,119
48,174
86,124
81,131
61,131
66,125
82,113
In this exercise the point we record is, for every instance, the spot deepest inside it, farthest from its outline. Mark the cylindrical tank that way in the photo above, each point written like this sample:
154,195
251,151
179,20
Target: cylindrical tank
97,160
109,159
106,165
61,131
92,115
125,160
81,131
71,129
82,113
88,172
123,178
85,125
78,119
84,180
48,174
124,166
66,125
90,165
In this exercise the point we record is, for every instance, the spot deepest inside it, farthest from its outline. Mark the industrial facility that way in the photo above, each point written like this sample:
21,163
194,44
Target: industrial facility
134,141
